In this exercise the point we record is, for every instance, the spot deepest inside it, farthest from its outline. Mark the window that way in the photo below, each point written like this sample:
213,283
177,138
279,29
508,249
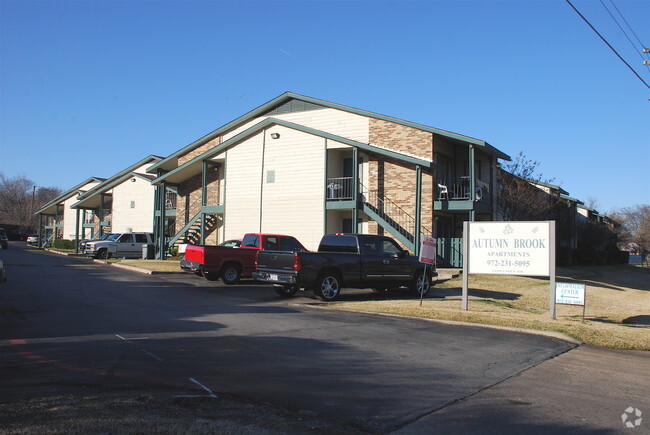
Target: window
250,241
291,244
141,238
126,238
272,243
332,243
390,248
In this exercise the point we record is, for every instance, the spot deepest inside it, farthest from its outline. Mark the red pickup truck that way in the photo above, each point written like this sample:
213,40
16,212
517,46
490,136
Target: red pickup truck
232,263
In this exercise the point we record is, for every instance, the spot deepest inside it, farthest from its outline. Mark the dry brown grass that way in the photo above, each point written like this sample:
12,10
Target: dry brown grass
154,265
617,311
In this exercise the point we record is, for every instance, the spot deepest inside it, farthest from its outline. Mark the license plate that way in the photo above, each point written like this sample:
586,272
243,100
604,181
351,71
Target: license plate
273,277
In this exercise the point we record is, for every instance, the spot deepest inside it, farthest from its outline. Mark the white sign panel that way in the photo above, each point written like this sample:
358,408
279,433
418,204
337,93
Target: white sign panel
570,294
428,250
509,248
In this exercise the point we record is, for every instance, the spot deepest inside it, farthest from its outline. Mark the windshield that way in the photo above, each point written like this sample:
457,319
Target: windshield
114,237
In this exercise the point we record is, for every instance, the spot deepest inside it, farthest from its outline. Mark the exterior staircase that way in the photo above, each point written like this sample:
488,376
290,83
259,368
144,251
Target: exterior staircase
191,232
391,217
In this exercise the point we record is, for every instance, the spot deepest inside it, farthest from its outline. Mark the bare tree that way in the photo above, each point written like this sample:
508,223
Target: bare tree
19,199
635,225
519,199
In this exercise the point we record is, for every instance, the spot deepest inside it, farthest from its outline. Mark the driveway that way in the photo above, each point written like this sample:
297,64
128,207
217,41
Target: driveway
69,326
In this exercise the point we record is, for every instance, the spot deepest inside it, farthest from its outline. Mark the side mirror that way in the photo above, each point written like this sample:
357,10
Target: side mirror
403,254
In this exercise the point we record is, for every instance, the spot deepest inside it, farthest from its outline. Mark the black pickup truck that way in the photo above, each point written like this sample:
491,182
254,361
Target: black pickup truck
344,260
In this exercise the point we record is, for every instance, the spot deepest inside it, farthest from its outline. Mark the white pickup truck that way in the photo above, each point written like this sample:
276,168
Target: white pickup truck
119,245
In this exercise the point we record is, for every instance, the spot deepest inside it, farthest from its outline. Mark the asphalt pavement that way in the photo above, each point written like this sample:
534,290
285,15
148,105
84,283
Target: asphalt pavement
71,326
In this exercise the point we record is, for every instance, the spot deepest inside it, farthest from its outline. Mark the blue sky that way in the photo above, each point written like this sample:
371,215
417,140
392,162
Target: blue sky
88,88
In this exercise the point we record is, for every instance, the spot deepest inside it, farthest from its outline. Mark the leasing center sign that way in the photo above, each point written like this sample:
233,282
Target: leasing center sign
509,248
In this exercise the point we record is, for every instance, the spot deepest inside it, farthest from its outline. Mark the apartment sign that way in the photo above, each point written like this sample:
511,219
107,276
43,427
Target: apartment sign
509,248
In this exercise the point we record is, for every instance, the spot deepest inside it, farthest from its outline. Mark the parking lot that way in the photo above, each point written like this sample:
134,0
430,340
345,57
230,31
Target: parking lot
70,326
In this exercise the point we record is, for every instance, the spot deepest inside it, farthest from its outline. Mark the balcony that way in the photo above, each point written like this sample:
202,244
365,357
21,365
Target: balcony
455,193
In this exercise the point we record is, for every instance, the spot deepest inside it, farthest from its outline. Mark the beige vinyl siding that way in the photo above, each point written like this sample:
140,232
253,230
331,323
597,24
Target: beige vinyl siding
70,214
140,216
333,121
293,203
243,176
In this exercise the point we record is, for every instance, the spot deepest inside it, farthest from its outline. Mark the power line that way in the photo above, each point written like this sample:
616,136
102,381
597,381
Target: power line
608,44
628,25
620,27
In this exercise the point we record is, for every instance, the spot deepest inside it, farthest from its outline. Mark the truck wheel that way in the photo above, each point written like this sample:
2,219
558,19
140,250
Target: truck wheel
328,287
230,274
103,254
420,284
286,291
210,276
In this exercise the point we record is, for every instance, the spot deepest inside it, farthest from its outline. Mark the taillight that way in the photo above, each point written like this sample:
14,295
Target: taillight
257,255
297,265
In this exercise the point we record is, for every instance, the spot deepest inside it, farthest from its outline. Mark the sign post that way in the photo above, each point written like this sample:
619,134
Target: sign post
427,256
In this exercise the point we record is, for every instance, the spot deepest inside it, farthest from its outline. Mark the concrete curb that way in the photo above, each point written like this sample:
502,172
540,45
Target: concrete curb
550,334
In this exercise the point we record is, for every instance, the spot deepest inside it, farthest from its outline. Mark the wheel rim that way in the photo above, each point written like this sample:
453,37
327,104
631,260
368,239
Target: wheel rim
330,287
423,284
230,274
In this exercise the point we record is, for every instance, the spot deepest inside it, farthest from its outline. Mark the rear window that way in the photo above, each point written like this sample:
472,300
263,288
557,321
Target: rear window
291,244
250,241
333,243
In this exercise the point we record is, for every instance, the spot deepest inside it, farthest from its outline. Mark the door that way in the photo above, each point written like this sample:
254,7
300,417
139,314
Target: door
125,246
396,267
371,256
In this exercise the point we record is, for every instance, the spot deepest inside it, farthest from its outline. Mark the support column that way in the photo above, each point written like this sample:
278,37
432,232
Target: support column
76,233
101,214
162,241
418,208
40,230
472,183
204,198
355,190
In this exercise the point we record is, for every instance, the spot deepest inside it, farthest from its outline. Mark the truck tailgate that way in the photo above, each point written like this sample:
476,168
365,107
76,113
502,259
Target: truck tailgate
275,260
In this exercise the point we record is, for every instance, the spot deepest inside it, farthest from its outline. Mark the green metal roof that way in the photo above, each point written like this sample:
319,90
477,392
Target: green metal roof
170,162
50,207
194,166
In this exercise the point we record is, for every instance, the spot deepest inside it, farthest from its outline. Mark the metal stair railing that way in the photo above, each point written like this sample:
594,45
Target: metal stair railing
394,216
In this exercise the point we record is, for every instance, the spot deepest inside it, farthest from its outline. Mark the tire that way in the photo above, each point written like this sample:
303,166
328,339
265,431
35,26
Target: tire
286,291
103,254
230,274
210,276
327,287
421,284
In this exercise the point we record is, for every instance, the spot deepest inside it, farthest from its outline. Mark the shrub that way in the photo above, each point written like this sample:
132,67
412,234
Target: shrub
62,244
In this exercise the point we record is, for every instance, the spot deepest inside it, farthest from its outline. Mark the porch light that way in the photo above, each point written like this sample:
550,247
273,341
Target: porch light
275,135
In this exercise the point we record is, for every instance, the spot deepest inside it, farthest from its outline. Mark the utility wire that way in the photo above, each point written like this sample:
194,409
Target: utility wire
620,27
608,44
628,25
625,33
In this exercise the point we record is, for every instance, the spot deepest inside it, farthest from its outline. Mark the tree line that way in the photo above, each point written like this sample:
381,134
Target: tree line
20,198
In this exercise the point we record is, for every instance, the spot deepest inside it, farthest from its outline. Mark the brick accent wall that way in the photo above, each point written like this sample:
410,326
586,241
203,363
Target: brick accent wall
189,196
396,180
198,151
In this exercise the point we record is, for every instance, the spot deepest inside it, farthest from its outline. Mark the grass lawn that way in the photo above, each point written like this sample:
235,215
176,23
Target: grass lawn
617,310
